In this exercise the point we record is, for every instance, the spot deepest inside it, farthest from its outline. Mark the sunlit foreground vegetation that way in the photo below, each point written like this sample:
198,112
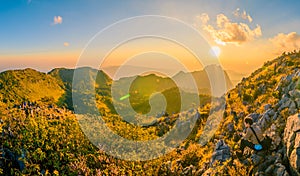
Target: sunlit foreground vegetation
50,141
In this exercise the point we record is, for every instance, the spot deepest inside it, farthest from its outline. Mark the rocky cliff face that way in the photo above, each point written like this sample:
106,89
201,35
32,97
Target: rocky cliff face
292,142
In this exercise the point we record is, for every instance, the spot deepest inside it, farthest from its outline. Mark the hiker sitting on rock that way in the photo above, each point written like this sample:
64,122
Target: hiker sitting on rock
249,139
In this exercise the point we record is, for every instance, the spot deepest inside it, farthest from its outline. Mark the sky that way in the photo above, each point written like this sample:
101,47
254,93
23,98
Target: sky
43,34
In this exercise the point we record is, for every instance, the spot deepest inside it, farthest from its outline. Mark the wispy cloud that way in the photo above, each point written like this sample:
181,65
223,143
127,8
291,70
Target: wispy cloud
66,44
286,42
244,15
57,20
225,31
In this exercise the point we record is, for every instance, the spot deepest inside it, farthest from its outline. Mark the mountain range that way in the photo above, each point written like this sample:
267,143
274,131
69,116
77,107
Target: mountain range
56,86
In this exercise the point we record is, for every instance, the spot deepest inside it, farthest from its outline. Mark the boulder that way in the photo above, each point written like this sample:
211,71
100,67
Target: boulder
280,170
297,100
221,153
284,103
292,142
294,93
266,120
266,167
292,108
270,112
254,116
256,159
289,78
273,133
276,115
267,107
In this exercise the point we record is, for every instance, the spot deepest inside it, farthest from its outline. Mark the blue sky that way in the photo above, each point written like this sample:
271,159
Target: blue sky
28,30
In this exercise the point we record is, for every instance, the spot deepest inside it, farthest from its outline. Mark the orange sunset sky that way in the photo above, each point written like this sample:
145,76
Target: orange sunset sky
48,34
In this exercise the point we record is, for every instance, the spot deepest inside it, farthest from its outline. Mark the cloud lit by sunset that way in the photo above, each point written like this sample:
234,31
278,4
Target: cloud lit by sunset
57,20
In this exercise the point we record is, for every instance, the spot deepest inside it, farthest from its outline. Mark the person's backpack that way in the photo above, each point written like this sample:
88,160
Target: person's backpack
265,144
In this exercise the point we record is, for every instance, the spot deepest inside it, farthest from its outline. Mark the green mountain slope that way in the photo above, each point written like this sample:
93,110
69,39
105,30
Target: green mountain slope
102,85
20,85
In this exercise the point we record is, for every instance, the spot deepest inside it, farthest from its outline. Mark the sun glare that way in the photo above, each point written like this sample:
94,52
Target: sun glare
215,51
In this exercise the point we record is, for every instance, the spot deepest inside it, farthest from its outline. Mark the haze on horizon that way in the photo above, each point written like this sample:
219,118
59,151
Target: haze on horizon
44,35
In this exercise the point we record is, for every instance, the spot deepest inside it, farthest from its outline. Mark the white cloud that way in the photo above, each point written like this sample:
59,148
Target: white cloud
66,44
57,20
244,15
230,32
286,42
204,18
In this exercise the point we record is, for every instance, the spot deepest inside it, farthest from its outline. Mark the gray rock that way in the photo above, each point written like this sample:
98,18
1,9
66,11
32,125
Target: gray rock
297,100
275,116
292,142
270,169
278,158
265,121
284,103
275,135
254,116
294,93
292,108
267,107
221,153
267,165
260,174
270,112
289,78
279,170
256,159
285,97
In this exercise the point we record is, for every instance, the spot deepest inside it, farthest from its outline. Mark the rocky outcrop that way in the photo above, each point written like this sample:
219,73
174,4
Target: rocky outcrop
268,165
221,153
254,116
266,119
292,142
